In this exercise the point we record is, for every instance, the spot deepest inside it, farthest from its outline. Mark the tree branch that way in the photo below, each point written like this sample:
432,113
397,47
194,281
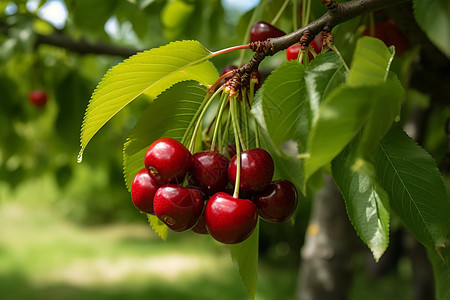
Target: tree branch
83,46
337,15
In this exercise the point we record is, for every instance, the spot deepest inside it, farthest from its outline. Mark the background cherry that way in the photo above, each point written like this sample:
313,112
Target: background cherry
143,189
38,98
256,170
261,31
277,202
167,159
390,34
178,207
230,220
210,171
200,227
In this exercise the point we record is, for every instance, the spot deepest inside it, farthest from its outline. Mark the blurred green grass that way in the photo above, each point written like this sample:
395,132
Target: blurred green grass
44,255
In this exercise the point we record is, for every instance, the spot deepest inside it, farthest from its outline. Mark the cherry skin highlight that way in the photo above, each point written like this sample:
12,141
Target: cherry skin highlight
277,203
230,220
143,189
167,160
178,207
257,169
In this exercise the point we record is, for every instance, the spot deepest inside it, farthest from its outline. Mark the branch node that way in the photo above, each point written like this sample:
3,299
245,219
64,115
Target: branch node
329,4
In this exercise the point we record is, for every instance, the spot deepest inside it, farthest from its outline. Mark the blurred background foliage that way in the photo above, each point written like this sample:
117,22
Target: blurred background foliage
54,211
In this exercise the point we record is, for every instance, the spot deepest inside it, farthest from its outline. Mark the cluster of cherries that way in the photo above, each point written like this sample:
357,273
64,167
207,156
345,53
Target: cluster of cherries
195,192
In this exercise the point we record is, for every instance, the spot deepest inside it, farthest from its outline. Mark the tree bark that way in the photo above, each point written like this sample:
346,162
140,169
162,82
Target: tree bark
325,271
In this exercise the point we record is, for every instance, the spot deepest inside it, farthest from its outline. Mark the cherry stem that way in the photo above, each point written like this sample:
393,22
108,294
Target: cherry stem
335,49
244,111
214,86
280,12
200,118
238,117
238,148
223,102
230,49
197,113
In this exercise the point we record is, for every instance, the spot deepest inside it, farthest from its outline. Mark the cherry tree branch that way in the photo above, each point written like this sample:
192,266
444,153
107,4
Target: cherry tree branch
336,15
83,46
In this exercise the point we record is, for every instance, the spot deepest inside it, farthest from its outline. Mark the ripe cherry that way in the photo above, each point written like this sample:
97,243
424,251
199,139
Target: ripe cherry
256,170
228,68
38,98
390,34
200,227
293,51
230,220
178,207
167,159
143,189
277,202
210,171
261,31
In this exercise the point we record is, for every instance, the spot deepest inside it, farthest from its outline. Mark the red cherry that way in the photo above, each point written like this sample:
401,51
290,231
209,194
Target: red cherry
143,190
390,34
38,98
228,69
293,51
256,170
261,31
167,160
277,202
200,227
210,171
230,220
178,207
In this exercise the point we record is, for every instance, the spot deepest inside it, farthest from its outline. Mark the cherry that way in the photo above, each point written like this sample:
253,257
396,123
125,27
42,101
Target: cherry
261,31
167,160
228,68
390,34
230,220
256,170
200,227
210,171
143,190
293,51
277,202
178,207
38,98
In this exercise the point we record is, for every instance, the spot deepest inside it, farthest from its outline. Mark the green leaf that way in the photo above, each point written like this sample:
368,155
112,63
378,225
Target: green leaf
341,116
416,190
433,16
382,113
325,73
371,62
148,72
158,226
283,106
366,202
168,116
245,254
441,270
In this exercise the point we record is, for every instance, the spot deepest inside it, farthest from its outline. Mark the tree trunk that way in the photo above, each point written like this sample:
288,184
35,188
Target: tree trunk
325,271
